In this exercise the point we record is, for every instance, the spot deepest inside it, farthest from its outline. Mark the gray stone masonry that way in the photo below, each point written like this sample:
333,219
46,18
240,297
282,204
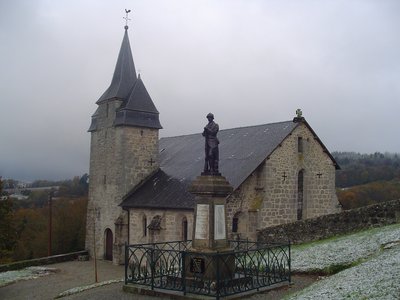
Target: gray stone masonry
171,225
120,157
269,196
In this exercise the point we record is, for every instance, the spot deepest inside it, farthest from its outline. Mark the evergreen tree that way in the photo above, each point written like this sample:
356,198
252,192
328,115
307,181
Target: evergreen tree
7,232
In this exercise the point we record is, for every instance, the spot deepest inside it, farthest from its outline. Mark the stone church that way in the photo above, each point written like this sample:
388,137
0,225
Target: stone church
281,172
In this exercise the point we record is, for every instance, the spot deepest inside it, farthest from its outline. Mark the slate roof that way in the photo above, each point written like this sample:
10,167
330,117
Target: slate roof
160,191
124,74
137,108
241,150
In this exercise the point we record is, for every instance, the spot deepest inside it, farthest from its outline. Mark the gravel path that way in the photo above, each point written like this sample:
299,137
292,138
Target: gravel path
77,274
68,275
114,291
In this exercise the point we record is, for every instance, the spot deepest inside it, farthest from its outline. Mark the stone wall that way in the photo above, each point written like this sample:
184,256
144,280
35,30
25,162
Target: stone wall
334,224
244,204
42,261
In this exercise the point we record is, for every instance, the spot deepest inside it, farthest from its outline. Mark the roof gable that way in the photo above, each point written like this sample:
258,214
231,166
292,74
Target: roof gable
242,150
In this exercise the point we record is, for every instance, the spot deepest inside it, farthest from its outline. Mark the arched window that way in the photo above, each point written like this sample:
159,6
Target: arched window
144,225
184,229
300,194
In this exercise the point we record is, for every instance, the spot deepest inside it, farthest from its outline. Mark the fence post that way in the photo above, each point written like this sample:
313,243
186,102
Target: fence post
152,267
290,262
183,274
126,263
217,256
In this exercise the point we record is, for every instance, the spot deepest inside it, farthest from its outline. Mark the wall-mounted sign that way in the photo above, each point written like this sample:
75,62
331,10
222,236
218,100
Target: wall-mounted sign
197,265
202,222
219,222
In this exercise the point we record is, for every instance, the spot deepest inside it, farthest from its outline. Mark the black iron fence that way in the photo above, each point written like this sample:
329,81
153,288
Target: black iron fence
175,266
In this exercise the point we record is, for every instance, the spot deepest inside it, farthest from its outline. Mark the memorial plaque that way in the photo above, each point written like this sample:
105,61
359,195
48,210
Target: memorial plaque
197,265
219,222
202,221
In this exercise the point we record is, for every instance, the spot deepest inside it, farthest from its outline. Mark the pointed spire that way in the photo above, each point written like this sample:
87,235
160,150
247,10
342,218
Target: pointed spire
124,74
137,109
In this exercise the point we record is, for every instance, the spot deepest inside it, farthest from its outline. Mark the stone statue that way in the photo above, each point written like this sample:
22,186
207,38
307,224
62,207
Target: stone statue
211,147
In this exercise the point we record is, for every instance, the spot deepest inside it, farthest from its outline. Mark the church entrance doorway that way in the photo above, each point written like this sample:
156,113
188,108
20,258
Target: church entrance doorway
108,245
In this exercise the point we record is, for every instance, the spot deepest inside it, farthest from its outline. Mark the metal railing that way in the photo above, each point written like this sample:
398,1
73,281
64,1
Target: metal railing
174,266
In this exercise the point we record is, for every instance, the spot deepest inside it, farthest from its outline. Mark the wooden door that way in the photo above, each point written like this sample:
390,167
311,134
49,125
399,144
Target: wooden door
109,244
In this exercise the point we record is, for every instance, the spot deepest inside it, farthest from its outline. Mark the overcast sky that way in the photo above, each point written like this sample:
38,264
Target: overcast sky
248,62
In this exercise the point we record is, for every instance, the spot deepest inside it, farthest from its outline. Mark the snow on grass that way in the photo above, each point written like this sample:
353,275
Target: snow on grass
338,253
374,258
87,287
9,277
376,278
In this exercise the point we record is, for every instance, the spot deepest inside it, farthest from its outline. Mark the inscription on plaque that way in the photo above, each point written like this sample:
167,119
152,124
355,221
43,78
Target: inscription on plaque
219,222
202,222
197,265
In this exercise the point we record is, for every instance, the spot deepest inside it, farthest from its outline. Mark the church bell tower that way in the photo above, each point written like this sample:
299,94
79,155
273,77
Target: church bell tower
123,152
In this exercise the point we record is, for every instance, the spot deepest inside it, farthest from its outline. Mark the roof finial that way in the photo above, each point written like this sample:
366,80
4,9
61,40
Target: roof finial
299,116
127,11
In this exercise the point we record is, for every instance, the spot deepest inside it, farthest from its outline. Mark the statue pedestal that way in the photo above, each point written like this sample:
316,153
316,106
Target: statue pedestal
210,230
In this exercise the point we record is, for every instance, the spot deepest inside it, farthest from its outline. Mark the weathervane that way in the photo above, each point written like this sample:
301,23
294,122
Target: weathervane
127,11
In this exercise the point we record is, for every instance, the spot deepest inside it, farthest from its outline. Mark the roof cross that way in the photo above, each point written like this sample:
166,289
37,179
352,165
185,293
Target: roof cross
127,11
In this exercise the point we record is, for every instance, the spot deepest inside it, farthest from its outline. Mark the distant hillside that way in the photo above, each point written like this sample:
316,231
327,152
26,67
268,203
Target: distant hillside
366,179
370,193
24,223
357,169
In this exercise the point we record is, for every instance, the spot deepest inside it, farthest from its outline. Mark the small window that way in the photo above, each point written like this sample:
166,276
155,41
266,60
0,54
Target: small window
184,229
300,144
144,224
235,223
107,108
104,179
